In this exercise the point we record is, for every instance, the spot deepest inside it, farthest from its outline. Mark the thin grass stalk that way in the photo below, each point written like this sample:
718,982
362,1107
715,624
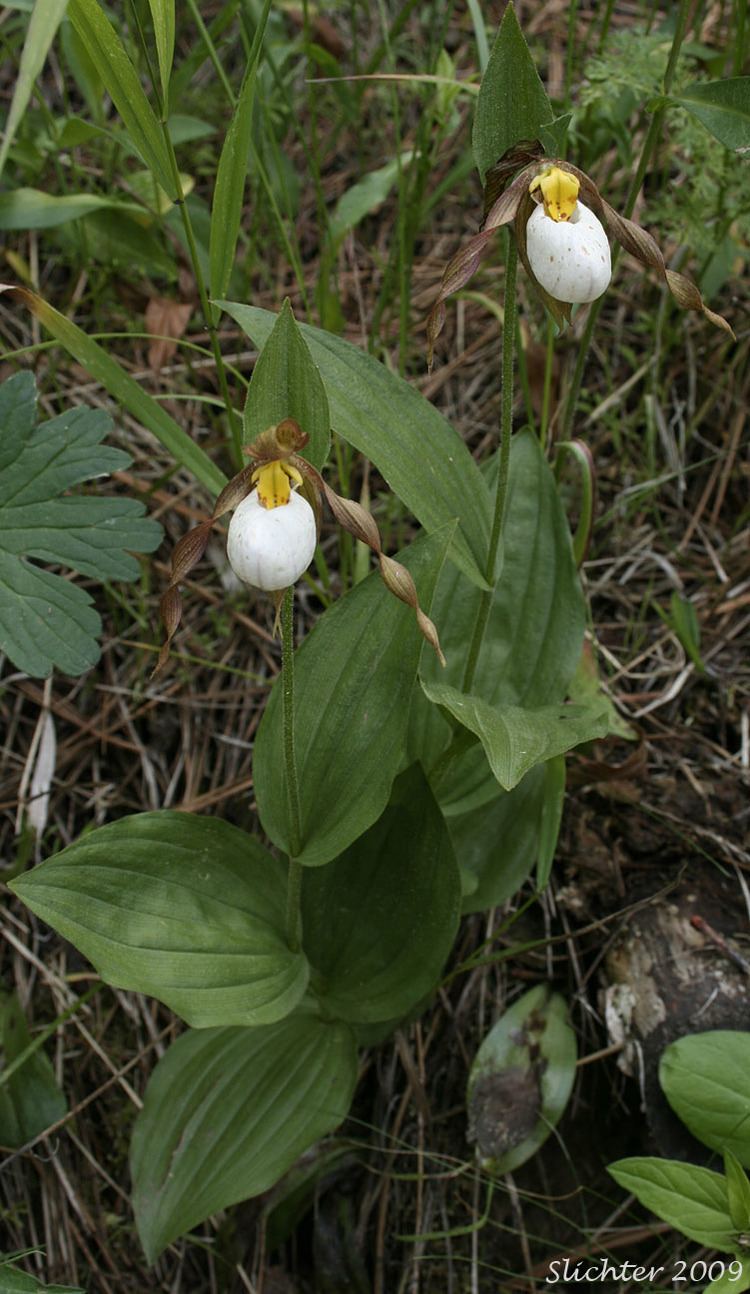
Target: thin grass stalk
501,487
294,877
649,144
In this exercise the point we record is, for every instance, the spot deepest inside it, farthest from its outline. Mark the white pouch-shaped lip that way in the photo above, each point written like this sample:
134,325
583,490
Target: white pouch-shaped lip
270,548
570,259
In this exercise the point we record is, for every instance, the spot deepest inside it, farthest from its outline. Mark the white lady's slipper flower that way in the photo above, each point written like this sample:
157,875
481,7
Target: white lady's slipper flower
269,547
566,246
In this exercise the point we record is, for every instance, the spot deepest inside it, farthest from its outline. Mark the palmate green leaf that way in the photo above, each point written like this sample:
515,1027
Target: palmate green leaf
515,739
121,80
120,385
30,1100
723,107
162,16
286,384
379,922
227,1112
706,1079
386,419
188,909
521,1080
692,1200
354,675
43,24
512,104
45,620
33,209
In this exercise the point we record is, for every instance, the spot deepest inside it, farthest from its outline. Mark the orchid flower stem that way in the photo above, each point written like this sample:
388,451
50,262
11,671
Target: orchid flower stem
503,465
294,882
649,145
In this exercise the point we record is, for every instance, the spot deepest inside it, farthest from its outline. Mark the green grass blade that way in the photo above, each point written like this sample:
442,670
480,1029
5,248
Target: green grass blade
103,368
43,24
123,84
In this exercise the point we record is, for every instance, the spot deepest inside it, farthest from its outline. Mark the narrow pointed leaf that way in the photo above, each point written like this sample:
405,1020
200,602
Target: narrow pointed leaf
354,675
162,15
121,80
227,1112
419,454
43,24
188,909
287,384
379,922
512,104
692,1200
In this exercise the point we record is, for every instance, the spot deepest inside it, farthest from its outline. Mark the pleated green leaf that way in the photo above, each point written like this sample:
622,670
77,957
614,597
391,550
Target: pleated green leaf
286,384
512,105
43,24
121,81
418,453
498,842
379,922
188,909
354,676
227,1112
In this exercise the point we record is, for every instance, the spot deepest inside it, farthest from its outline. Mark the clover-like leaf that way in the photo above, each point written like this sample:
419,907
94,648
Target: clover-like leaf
45,619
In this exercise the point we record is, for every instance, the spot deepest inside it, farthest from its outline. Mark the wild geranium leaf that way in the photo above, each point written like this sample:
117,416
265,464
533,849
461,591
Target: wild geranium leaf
419,454
46,620
227,1112
188,909
512,104
692,1200
515,739
354,676
521,1079
287,384
723,107
706,1079
30,1099
379,922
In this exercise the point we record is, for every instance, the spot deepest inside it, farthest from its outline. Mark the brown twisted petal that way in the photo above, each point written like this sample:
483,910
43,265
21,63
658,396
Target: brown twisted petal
399,581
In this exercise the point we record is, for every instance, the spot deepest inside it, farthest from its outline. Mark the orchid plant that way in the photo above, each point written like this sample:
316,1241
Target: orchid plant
395,789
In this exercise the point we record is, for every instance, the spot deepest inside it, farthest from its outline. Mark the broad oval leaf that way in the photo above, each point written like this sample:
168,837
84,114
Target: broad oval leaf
188,909
521,1079
286,384
354,676
45,620
379,922
723,107
419,454
706,1079
515,739
693,1200
227,1112
512,105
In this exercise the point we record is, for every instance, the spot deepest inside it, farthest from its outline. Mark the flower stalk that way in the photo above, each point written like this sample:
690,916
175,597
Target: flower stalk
294,879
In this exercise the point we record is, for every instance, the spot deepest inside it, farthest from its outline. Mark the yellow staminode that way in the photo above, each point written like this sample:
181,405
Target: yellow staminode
559,192
274,482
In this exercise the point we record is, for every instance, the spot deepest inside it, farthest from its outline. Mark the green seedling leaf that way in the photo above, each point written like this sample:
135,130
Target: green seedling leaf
382,416
30,1100
121,81
227,1112
32,209
736,1279
287,384
706,1079
521,1079
103,368
187,909
354,675
512,105
45,620
515,739
498,843
723,107
379,922
43,24
738,1192
162,15
226,211
683,621
692,1200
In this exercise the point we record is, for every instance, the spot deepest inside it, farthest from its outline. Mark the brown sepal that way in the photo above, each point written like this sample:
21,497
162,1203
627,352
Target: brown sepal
522,154
400,582
280,441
